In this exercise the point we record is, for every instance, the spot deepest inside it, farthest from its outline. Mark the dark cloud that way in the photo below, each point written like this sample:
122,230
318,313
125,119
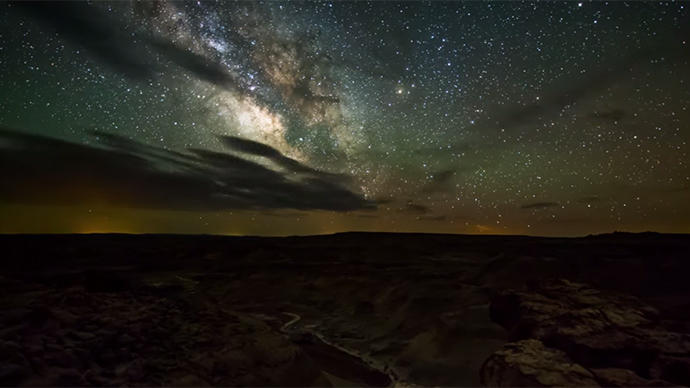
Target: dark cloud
540,205
610,114
441,181
289,64
373,216
443,176
252,147
284,214
589,199
118,46
440,218
202,67
413,208
272,154
681,189
384,201
132,53
121,172
564,94
88,27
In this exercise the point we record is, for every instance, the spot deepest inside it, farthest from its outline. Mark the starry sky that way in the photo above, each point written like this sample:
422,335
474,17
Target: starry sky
280,118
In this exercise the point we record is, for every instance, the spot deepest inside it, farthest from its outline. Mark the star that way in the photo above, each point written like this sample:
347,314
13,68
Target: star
551,120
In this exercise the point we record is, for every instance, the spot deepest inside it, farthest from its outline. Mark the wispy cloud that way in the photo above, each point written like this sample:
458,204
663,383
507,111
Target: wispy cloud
540,205
589,199
125,173
413,208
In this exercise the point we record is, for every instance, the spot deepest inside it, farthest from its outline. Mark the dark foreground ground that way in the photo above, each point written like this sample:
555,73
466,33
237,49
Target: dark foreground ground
354,309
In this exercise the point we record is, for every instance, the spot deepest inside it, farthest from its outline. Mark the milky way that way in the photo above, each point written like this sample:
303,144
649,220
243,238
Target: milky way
465,117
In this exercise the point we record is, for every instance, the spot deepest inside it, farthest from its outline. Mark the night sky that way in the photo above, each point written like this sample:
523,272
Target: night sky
282,118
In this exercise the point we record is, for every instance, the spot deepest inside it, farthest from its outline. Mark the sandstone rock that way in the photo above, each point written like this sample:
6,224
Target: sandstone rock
40,381
616,377
365,308
40,314
82,335
105,321
66,318
595,328
67,359
103,333
617,336
106,281
123,354
120,370
38,365
189,381
107,359
584,310
135,371
672,368
33,349
14,317
126,339
64,351
90,327
53,347
69,377
9,346
95,378
81,354
528,363
13,374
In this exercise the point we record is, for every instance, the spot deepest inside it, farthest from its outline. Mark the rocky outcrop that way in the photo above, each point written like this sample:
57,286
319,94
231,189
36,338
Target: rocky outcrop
617,338
73,337
617,377
528,363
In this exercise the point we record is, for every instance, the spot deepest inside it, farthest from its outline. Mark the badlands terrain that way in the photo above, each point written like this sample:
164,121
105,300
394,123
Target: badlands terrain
351,309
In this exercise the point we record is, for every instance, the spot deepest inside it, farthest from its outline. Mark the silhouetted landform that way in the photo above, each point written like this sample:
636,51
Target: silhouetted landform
350,309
